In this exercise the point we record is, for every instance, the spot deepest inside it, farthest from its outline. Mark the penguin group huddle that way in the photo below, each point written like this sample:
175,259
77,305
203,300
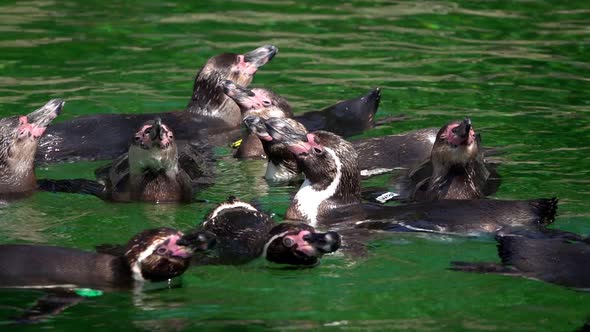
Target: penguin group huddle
168,157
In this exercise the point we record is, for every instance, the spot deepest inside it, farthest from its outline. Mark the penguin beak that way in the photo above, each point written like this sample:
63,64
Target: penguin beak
297,142
283,132
156,130
260,56
42,117
198,240
463,129
255,124
236,91
253,121
324,242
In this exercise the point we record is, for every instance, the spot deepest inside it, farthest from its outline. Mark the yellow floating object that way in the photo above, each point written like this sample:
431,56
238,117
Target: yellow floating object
236,144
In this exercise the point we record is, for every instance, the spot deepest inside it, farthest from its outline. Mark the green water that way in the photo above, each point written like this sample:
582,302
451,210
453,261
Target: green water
519,69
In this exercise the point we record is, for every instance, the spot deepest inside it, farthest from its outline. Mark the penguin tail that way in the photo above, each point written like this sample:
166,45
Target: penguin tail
481,267
546,209
74,186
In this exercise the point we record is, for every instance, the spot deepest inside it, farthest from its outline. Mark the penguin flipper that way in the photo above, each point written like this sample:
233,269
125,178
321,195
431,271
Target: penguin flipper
49,305
484,267
120,165
73,186
197,161
390,119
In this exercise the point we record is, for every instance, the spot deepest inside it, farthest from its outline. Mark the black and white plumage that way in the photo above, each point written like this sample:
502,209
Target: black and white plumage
243,234
375,155
153,255
331,193
210,115
455,169
19,139
155,169
347,118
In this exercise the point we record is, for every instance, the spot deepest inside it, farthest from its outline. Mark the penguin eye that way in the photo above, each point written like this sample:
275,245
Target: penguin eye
288,242
318,151
161,250
266,102
137,138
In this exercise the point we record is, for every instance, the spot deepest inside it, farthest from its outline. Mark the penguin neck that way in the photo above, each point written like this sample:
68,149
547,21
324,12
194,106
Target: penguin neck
461,181
208,99
17,172
314,201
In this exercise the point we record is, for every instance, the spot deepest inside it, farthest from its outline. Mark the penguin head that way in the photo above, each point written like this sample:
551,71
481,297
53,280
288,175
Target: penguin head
299,244
163,253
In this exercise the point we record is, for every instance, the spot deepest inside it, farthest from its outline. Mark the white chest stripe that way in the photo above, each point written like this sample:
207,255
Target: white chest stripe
270,241
136,267
224,206
309,199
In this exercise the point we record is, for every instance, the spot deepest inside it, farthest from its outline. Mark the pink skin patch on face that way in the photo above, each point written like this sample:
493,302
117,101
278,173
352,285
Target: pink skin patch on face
307,147
26,129
450,136
142,130
314,143
176,250
247,68
166,138
143,137
302,245
259,101
299,148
